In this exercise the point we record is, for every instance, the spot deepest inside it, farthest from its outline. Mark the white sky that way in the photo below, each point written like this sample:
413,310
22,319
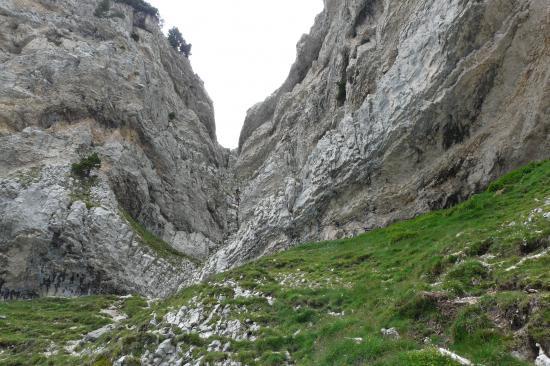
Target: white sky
242,49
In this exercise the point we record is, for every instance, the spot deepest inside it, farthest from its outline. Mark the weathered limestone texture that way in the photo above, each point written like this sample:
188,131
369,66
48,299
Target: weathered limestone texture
392,109
73,83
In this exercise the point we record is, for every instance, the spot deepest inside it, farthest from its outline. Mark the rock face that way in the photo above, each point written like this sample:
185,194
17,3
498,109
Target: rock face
72,83
392,109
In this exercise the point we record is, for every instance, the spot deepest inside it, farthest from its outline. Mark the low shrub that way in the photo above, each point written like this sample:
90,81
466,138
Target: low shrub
83,168
176,40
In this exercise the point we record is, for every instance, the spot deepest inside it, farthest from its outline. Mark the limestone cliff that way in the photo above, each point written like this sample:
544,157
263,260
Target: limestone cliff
393,108
74,82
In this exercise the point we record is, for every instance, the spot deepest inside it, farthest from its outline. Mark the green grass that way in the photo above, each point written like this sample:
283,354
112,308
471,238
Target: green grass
28,177
82,191
31,327
332,298
160,247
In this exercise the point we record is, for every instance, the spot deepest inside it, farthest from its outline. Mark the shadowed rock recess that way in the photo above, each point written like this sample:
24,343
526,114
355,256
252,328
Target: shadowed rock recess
392,109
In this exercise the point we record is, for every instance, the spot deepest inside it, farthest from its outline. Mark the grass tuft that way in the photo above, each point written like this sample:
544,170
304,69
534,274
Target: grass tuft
160,247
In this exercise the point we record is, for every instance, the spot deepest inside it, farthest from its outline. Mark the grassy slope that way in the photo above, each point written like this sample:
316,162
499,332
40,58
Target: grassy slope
31,326
162,248
413,276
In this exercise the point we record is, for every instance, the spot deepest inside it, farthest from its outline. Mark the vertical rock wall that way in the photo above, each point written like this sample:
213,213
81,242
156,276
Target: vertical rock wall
392,109
74,82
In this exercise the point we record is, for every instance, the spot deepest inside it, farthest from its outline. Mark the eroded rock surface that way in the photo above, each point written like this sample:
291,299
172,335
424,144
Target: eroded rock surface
392,109
73,83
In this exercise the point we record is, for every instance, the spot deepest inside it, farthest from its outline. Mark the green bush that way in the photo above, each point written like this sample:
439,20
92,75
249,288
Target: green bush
83,168
176,40
171,116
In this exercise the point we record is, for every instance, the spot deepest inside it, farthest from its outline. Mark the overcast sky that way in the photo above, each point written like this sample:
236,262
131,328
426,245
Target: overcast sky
242,49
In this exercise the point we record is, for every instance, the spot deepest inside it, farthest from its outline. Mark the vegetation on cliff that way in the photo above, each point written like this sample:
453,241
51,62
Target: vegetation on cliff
176,40
84,167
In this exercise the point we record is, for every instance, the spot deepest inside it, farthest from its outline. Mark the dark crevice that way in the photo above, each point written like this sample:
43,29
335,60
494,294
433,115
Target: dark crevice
341,95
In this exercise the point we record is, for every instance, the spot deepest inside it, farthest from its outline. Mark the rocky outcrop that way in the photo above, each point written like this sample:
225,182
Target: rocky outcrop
74,81
392,109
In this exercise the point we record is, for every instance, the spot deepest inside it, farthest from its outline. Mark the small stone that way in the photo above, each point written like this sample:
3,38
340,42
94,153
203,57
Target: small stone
165,348
357,340
461,360
120,361
3,317
153,321
96,334
390,333
226,347
542,359
214,346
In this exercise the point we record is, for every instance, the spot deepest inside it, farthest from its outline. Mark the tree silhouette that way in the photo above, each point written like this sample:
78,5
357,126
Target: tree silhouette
177,42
